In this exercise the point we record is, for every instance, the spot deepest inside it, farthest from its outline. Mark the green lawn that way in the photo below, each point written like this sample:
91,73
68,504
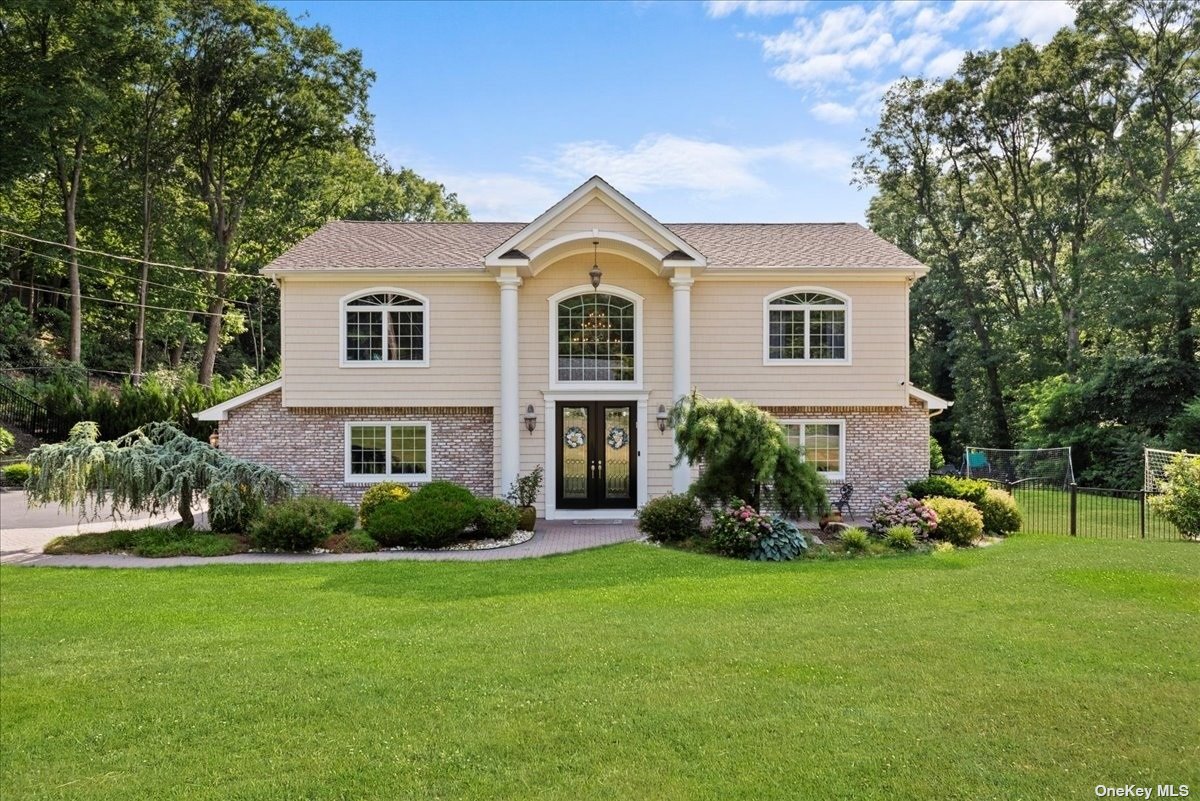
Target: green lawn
1035,668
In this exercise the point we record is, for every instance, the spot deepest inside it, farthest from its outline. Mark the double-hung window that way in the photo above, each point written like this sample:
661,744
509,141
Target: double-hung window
385,328
387,452
808,326
821,443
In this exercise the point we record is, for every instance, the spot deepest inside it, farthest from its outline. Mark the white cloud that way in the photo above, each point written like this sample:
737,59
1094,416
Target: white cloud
834,112
845,54
667,161
753,8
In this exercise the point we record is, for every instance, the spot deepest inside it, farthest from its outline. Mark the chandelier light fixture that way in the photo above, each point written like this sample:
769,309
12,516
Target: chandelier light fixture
595,271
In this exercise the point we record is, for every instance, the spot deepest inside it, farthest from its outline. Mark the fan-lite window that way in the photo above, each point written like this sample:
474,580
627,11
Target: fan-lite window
819,443
378,451
806,326
385,328
596,338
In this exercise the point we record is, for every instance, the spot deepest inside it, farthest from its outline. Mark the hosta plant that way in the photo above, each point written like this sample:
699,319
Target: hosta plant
783,542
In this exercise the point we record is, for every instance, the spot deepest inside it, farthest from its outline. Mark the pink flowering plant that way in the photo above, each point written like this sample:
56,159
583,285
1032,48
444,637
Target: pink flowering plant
737,529
904,510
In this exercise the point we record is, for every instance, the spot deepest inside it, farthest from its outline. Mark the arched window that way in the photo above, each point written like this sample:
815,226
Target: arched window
385,327
597,338
807,326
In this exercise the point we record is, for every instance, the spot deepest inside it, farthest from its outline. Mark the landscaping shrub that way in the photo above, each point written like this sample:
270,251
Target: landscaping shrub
380,493
901,538
671,518
7,440
15,475
1179,502
434,516
1001,515
904,510
495,518
963,489
355,541
737,530
937,459
237,516
301,523
959,522
783,542
151,542
856,540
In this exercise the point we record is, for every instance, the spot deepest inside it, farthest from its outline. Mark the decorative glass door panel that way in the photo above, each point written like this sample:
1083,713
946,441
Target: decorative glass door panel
597,455
618,422
575,465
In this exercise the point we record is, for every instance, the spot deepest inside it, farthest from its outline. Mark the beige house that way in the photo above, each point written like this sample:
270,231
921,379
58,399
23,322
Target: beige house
477,351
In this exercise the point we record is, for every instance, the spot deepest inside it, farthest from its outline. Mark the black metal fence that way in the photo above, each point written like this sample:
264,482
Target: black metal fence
29,415
1051,507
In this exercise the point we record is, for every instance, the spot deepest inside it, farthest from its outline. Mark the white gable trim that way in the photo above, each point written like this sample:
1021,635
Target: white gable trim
594,187
221,410
931,401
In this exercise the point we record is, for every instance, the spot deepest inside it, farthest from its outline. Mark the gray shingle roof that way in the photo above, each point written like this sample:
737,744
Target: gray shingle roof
420,245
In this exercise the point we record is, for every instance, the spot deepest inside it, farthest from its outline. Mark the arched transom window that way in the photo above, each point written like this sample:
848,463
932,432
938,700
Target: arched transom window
806,326
386,328
596,338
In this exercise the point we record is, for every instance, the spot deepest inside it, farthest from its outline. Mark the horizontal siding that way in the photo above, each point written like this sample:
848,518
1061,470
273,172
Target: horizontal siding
656,352
464,351
727,347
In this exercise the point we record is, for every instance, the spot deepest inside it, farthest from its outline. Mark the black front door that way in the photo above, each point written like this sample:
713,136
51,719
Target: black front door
597,455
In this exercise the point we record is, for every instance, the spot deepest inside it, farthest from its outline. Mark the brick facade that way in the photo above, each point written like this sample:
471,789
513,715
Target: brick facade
309,443
885,447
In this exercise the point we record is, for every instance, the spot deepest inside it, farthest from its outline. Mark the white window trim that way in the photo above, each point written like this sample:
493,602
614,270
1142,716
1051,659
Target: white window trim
840,474
423,478
346,300
584,289
766,328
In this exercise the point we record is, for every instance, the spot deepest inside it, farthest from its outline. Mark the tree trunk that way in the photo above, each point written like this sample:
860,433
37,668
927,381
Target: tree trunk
186,519
68,184
216,308
177,351
139,337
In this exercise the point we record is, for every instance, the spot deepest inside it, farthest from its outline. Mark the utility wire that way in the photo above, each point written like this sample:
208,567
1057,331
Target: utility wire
127,276
229,274
51,291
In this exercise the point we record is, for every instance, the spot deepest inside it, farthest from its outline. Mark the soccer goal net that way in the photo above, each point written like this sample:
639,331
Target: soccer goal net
1156,468
1043,466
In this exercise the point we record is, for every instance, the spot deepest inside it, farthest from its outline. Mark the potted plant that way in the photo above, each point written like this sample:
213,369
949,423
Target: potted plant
523,495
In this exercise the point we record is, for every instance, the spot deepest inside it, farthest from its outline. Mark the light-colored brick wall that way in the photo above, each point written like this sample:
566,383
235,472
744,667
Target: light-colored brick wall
885,447
309,443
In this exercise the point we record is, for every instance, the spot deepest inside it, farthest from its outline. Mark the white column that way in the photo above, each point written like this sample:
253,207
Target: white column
510,383
681,284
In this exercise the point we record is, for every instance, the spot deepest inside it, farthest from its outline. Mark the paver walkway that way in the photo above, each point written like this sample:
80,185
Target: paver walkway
551,537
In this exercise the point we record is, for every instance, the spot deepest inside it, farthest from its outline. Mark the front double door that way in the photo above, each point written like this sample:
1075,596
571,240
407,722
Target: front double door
597,455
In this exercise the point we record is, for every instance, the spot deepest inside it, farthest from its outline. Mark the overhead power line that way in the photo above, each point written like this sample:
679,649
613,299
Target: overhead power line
198,292
133,259
52,291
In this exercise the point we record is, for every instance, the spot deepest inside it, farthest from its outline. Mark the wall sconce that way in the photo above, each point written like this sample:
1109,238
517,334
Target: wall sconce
662,418
214,438
530,419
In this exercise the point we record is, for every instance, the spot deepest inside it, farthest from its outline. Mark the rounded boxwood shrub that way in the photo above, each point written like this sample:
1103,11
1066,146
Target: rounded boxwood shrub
379,493
1001,516
963,489
434,516
671,518
300,524
15,475
959,522
495,518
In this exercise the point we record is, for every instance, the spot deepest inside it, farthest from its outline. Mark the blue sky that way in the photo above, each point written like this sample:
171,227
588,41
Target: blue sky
728,111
